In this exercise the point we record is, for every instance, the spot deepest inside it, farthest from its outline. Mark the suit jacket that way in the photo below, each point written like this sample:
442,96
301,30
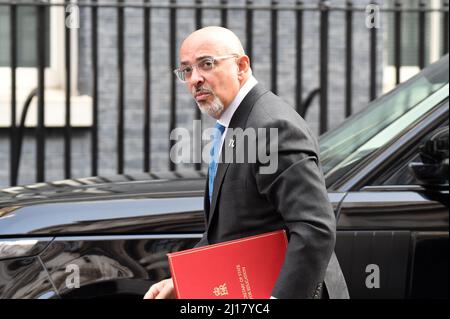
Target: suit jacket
247,202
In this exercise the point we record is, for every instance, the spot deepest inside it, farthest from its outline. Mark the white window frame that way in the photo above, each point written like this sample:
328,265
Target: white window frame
408,71
55,82
55,73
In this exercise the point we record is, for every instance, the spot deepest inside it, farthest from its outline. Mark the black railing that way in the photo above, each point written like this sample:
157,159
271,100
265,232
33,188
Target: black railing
324,8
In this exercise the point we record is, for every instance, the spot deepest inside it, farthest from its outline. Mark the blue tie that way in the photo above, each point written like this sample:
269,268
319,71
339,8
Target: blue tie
212,169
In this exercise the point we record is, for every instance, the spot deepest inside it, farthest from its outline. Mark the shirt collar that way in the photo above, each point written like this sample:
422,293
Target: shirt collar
226,116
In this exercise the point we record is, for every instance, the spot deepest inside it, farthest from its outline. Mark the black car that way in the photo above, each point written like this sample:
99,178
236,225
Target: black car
386,170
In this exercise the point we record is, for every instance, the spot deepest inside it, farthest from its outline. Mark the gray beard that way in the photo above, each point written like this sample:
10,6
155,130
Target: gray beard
213,109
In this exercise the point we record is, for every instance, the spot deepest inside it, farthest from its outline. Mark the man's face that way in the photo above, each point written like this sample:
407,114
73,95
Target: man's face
215,89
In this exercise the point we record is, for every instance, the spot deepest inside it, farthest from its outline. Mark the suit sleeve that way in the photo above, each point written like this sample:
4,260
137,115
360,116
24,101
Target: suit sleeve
203,241
297,191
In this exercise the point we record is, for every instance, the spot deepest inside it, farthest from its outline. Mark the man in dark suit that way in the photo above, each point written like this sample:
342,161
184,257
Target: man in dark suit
245,197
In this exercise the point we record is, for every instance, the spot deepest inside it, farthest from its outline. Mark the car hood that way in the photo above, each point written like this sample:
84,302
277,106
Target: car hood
168,203
96,188
102,205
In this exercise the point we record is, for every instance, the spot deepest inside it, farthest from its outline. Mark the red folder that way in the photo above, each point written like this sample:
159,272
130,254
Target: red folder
245,268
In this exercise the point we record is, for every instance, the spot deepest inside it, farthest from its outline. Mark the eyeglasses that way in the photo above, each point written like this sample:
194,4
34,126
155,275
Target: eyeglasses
206,64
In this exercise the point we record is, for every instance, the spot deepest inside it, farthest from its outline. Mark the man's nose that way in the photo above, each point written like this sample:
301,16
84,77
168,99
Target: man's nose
196,78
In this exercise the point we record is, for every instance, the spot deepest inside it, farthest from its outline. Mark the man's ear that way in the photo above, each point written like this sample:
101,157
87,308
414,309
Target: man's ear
243,65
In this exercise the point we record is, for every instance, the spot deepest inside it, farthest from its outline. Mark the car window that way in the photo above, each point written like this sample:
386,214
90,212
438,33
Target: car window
365,132
400,173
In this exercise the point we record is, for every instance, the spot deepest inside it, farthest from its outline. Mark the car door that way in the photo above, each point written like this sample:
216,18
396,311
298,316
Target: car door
393,232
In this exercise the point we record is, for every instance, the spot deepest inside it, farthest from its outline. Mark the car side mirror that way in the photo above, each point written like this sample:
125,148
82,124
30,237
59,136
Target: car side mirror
433,170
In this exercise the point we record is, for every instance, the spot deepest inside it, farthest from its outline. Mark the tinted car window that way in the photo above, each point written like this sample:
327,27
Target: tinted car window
401,174
383,119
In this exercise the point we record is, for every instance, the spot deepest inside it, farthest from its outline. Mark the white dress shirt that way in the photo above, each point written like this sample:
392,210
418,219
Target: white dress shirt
226,116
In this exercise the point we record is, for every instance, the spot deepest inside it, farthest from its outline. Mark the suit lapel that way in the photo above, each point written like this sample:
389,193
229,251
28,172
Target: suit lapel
238,120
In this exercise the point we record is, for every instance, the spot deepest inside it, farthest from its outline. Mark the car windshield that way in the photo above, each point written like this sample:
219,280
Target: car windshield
383,119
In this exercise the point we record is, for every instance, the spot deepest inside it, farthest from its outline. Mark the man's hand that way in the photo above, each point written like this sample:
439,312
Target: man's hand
161,290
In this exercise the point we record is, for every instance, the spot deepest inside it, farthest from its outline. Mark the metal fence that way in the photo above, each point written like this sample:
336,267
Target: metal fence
324,8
